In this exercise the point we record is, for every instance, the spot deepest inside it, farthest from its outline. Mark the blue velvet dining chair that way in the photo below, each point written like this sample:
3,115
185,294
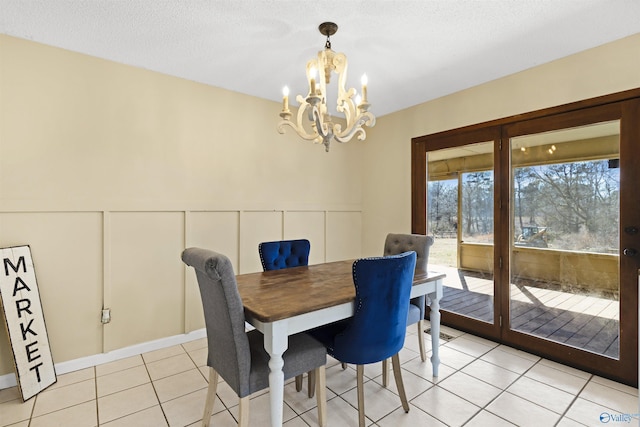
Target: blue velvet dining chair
284,254
238,356
281,254
377,329
420,244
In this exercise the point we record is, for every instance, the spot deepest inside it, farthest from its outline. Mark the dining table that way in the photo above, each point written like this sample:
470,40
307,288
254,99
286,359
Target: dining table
284,302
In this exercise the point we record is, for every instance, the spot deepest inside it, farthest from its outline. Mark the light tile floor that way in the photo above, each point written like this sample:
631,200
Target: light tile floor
481,383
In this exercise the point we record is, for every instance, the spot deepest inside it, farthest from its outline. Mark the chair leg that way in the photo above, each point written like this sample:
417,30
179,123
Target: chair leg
321,394
423,355
398,376
312,383
211,397
243,416
360,387
385,372
298,382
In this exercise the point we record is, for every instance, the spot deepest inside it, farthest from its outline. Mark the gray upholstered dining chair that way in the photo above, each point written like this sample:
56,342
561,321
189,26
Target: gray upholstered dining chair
238,356
397,244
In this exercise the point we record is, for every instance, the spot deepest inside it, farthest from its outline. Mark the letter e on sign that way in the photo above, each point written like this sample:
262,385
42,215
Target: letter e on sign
25,321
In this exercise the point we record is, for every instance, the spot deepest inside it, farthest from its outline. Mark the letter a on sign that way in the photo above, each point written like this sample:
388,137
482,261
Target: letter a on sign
25,321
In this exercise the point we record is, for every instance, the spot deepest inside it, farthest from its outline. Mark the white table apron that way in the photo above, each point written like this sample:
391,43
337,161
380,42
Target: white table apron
276,336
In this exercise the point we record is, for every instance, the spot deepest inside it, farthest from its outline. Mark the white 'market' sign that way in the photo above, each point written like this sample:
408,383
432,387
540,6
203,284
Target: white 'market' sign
25,321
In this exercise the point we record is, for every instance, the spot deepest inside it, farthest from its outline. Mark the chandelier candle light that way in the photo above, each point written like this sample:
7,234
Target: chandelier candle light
322,129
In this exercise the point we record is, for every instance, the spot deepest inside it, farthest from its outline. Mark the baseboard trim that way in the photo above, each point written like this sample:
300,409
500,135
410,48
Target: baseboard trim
9,380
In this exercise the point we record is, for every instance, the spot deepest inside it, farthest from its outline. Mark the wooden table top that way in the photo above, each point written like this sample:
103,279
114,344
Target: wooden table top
279,294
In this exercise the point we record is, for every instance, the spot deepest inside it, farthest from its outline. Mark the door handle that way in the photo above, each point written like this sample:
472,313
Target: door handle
630,252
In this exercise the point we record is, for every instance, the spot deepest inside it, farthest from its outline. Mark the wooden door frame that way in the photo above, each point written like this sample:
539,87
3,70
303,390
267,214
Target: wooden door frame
419,213
624,106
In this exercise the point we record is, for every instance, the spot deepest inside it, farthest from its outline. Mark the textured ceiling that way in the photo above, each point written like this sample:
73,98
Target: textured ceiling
412,51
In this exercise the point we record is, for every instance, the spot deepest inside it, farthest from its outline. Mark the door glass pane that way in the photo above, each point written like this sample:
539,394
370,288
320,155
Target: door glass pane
460,218
564,272
477,207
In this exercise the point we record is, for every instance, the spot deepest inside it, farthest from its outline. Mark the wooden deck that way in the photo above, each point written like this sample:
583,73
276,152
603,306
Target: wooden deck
587,322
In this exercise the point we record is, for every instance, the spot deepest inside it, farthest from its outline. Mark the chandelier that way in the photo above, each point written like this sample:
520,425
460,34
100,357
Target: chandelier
320,127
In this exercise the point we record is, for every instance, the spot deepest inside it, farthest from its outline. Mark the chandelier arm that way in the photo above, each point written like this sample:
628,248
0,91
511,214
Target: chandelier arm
361,136
340,62
348,108
300,131
345,97
325,130
365,119
297,126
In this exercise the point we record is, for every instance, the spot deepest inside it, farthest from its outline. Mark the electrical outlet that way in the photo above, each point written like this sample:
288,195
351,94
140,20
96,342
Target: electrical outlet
106,315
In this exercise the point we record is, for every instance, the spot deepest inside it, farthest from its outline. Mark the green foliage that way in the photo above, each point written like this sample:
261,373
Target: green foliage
577,202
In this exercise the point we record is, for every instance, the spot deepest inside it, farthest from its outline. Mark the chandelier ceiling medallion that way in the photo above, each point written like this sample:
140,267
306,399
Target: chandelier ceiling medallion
320,128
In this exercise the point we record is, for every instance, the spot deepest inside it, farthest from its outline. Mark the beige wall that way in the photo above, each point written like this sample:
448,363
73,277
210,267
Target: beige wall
387,159
108,171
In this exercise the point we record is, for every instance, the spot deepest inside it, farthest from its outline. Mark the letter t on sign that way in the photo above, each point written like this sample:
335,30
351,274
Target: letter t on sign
25,321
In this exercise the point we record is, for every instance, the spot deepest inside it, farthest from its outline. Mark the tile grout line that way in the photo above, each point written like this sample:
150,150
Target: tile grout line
33,408
146,367
226,408
575,398
503,391
459,370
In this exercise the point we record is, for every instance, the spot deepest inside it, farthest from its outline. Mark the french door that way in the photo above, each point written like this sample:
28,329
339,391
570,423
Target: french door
536,222
460,215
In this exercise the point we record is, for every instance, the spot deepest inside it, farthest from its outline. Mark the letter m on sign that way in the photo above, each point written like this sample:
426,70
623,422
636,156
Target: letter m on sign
25,321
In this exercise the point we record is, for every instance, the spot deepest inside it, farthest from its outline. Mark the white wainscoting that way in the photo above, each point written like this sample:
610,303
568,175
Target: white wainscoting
129,261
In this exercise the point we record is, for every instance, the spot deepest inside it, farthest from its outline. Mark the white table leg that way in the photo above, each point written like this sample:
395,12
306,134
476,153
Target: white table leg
434,318
276,342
